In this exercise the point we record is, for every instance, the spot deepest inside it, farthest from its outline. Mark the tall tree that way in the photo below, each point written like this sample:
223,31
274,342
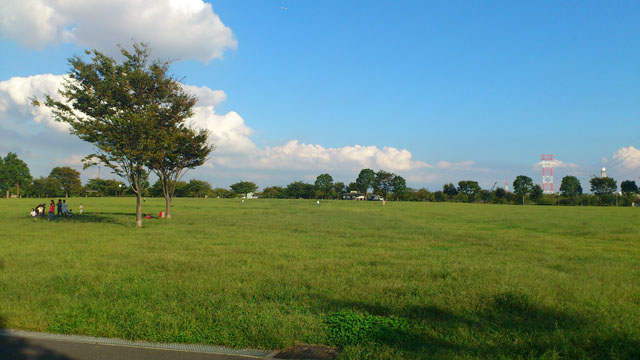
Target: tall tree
324,184
14,172
522,186
383,183
450,190
338,189
399,186
123,108
603,187
570,187
198,188
469,187
500,193
69,178
536,193
628,187
244,187
179,149
366,180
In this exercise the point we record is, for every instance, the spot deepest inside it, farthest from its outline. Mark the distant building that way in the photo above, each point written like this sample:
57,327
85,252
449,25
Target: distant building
375,198
250,196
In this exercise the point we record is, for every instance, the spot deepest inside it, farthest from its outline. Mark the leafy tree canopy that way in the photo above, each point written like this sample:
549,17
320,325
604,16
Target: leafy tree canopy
69,178
244,187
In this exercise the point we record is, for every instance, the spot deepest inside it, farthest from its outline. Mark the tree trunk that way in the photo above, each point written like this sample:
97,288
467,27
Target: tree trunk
139,209
7,194
167,214
18,190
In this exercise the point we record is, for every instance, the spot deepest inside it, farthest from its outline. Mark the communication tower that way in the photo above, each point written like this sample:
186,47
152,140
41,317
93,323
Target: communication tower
603,172
547,174
506,186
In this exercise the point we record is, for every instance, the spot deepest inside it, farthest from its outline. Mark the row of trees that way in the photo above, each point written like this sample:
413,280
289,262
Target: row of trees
65,181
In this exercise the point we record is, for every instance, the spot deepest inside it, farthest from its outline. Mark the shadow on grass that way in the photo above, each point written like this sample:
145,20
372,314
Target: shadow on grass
17,348
510,325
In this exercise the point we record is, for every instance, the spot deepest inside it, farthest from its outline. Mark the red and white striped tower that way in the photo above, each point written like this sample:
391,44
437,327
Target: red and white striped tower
547,174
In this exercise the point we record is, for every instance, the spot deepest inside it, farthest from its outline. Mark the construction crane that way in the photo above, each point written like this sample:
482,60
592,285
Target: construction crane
494,186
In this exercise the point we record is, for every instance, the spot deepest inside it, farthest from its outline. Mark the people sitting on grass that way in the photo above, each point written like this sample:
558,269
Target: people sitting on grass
33,213
70,213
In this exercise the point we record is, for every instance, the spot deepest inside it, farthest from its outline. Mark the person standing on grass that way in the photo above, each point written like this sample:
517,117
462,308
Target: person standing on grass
52,211
59,207
65,211
80,208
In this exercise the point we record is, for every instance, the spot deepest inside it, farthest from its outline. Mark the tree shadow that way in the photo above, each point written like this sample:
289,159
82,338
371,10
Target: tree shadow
17,348
508,325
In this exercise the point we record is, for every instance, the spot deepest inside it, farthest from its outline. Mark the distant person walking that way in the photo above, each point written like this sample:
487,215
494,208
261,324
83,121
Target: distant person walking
59,207
52,211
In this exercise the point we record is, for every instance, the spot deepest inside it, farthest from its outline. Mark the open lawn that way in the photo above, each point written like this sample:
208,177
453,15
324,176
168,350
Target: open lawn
408,280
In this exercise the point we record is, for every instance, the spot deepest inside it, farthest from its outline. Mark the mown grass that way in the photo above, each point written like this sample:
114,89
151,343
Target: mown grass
408,280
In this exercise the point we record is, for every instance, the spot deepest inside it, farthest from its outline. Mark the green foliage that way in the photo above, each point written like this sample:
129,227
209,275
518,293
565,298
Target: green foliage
383,183
198,188
628,187
104,187
132,112
470,188
69,178
603,188
570,187
450,190
522,186
274,192
536,193
324,184
300,190
14,173
244,187
399,185
365,181
349,327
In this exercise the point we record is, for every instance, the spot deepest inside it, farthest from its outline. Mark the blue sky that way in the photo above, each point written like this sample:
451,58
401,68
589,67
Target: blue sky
434,91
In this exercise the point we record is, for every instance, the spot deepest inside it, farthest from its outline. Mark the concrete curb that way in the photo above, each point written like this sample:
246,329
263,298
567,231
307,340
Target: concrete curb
208,349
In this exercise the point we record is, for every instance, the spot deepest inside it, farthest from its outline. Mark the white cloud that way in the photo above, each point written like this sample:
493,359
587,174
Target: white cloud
235,150
176,29
558,164
72,160
463,165
16,106
628,157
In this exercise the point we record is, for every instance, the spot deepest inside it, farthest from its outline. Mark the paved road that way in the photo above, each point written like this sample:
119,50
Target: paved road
33,347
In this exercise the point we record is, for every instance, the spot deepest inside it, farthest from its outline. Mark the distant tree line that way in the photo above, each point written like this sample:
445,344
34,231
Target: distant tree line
15,179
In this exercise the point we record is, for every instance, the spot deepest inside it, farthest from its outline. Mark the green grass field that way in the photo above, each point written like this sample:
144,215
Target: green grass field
408,280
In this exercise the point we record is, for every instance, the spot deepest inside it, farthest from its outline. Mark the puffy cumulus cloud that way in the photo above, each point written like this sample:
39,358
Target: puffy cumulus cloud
228,132
206,96
15,106
628,157
296,155
175,29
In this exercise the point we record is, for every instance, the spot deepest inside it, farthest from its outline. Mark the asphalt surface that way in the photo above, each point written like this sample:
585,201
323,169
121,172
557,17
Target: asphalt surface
16,347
